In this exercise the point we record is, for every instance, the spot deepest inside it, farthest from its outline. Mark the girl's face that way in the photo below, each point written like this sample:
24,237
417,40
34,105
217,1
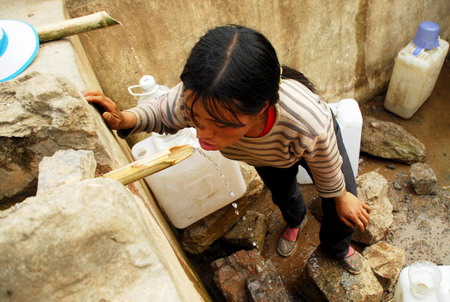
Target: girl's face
213,135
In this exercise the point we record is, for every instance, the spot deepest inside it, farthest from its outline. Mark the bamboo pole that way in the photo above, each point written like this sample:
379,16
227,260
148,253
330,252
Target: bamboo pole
149,165
74,26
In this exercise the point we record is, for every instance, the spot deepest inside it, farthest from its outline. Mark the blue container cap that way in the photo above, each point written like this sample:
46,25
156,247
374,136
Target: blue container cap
427,36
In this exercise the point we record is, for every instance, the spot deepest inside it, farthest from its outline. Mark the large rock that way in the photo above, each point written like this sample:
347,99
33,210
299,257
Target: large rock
372,190
386,262
247,276
390,141
249,232
88,241
323,279
198,237
267,286
64,167
40,115
423,179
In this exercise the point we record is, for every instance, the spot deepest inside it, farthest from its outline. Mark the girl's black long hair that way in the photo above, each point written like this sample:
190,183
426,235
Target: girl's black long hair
235,68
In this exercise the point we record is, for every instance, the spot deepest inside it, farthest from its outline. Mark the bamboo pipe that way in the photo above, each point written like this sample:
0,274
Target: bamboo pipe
74,26
149,165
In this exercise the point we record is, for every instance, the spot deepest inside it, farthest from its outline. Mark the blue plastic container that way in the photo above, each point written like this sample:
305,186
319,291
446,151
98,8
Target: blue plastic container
427,36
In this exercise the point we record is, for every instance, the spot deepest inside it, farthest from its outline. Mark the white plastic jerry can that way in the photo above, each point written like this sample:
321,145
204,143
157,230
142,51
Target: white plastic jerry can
408,291
195,187
348,115
416,69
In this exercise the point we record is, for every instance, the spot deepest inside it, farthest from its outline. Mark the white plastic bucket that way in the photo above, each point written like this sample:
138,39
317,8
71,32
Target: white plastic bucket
197,186
350,122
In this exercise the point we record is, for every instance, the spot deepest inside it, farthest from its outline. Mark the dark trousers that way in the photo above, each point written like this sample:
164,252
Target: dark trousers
335,236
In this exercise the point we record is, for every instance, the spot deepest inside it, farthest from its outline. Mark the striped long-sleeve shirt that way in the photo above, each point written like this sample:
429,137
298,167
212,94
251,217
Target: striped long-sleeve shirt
303,128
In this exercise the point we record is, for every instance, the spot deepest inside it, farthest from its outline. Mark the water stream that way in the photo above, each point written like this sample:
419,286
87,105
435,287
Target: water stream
231,194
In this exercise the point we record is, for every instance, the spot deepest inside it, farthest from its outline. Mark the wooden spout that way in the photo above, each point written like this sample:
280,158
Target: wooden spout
149,165
74,26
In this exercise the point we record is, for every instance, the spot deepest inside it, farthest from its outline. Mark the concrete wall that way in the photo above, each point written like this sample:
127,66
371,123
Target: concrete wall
346,47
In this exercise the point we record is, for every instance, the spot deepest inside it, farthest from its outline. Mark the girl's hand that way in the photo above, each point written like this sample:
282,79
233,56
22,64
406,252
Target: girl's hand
352,211
112,115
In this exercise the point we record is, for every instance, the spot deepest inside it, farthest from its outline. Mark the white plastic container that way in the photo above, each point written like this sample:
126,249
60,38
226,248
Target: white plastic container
349,118
403,289
145,91
415,73
197,186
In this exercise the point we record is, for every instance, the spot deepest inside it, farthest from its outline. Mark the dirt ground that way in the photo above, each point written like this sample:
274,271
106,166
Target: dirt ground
421,223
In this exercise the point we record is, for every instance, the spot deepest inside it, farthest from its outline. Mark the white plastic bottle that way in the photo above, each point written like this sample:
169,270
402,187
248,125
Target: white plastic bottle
349,118
416,70
197,186
148,89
